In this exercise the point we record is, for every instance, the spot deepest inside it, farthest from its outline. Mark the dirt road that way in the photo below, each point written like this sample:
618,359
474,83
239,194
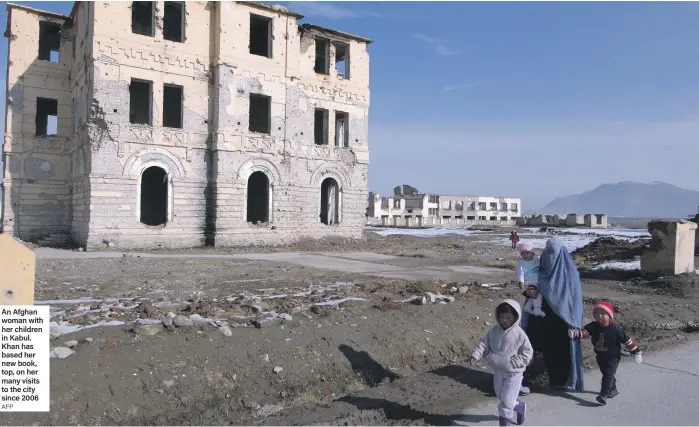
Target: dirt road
331,332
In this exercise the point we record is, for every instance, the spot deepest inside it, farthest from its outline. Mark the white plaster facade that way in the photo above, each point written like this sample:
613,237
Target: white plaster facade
424,210
85,182
564,220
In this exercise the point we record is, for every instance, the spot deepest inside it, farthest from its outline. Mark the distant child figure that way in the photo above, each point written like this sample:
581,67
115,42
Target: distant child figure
514,238
607,337
508,352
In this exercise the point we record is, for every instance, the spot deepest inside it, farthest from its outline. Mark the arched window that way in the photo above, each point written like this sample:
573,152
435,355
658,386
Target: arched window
258,198
329,202
154,196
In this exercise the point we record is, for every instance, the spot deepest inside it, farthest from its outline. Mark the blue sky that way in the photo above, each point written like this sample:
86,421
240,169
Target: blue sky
536,100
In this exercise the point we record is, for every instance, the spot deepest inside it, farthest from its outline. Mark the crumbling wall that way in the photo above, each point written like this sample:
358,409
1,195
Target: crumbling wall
288,155
80,35
574,220
120,150
671,250
36,204
596,220
210,153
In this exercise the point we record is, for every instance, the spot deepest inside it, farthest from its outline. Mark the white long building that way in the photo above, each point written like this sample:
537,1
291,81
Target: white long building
409,208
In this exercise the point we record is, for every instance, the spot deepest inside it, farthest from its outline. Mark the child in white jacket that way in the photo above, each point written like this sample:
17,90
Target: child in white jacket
527,276
508,351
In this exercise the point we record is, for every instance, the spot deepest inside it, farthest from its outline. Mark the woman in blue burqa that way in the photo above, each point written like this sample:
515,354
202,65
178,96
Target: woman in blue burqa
560,286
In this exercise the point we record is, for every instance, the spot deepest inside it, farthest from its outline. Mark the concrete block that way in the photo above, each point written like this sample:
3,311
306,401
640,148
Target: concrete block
17,264
671,249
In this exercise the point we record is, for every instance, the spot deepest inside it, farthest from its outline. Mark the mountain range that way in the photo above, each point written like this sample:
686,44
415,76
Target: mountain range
630,199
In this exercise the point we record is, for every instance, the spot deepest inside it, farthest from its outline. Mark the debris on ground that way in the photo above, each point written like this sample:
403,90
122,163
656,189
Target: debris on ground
609,249
212,341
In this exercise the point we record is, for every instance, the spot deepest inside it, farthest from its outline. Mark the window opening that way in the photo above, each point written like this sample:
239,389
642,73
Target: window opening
49,41
46,117
142,17
173,21
258,198
172,106
140,95
342,61
320,126
260,113
260,36
322,65
341,129
154,196
329,202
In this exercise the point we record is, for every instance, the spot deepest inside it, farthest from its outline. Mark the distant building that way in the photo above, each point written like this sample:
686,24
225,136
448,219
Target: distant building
410,208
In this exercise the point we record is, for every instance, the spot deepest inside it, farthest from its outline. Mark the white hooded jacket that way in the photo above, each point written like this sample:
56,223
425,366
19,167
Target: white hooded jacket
506,350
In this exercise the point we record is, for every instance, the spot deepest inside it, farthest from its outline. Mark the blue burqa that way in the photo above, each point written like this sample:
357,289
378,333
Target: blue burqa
559,283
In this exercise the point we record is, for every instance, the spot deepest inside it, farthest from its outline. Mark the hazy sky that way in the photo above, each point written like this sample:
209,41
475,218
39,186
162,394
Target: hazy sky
535,100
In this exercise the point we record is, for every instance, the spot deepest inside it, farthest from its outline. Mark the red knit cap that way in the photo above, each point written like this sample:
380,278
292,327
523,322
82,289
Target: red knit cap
604,305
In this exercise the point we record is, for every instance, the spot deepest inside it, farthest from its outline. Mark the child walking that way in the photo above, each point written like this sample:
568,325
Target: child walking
607,337
508,352
514,238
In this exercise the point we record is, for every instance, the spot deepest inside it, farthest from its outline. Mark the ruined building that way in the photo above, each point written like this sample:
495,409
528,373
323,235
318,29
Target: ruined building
173,124
410,208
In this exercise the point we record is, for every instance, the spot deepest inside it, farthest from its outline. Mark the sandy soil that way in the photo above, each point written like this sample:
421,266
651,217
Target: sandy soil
258,342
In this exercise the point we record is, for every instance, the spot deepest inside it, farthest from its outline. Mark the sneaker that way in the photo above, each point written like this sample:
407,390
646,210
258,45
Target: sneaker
612,394
524,390
601,400
521,411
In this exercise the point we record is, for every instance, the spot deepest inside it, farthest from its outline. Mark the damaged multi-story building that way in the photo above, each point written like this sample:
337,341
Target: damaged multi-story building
408,207
173,124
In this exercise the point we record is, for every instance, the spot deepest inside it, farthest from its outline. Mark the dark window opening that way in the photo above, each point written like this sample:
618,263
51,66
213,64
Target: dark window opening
260,113
342,61
341,129
470,218
154,196
46,117
320,127
493,218
142,17
260,36
140,102
258,198
322,56
329,202
172,106
49,41
173,21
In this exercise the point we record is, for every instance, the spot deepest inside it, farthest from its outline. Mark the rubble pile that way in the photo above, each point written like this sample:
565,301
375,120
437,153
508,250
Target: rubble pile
147,316
609,249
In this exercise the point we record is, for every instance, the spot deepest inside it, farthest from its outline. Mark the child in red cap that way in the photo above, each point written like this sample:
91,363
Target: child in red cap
607,337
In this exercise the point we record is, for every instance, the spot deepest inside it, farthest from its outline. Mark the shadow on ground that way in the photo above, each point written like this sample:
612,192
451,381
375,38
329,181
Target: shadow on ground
374,373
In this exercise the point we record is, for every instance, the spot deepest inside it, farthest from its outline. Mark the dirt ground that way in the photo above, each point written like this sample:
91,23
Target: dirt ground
230,342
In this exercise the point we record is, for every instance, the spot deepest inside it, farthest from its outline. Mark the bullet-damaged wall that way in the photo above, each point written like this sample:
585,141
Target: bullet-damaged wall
36,199
222,180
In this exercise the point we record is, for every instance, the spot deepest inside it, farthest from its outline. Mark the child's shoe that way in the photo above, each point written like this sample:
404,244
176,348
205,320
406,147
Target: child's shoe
538,312
504,421
521,411
602,400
